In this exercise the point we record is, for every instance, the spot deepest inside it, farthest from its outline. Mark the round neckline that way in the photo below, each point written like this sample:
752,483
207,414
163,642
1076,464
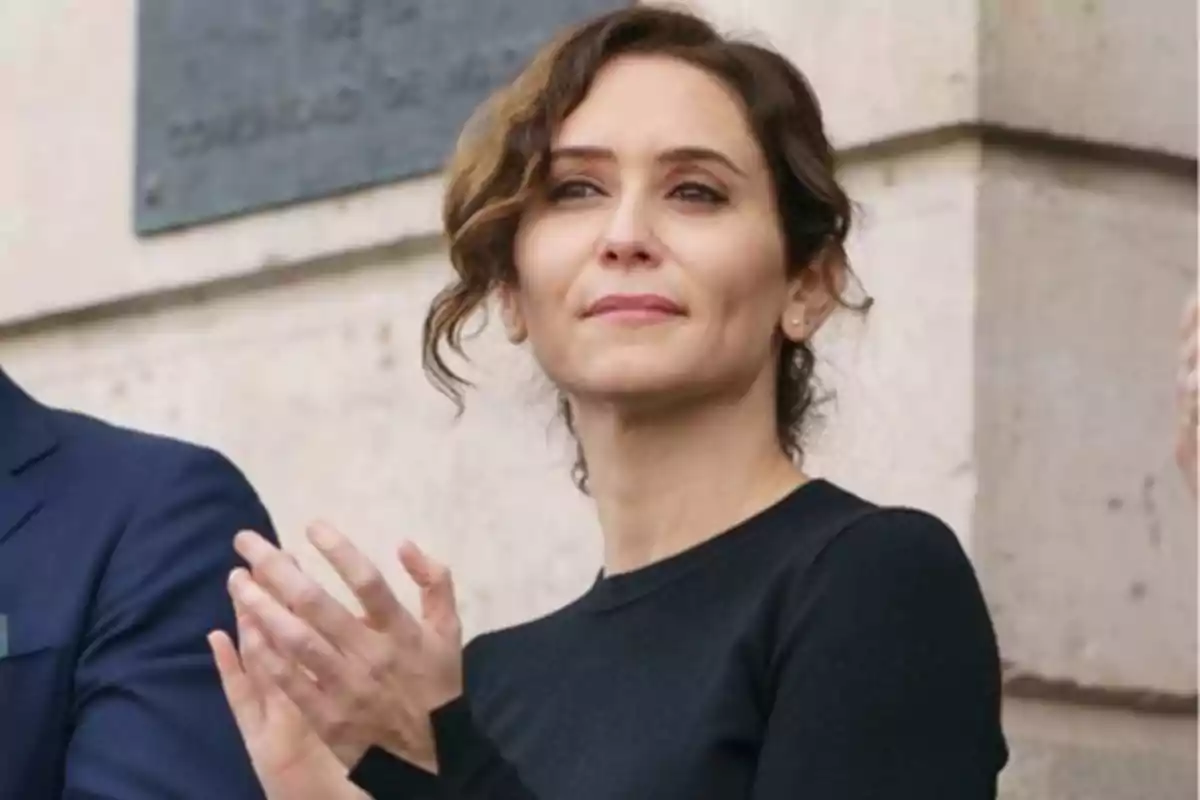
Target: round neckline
609,592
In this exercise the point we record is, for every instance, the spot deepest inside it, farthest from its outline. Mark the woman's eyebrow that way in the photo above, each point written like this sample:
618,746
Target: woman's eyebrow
672,156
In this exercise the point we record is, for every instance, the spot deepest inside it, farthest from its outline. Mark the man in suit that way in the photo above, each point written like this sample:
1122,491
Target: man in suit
115,548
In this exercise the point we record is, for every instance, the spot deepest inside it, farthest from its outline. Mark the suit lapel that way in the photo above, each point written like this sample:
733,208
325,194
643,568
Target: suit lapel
25,437
17,504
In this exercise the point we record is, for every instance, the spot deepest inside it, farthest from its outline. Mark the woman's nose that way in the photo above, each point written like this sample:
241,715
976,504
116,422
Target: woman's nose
628,253
629,240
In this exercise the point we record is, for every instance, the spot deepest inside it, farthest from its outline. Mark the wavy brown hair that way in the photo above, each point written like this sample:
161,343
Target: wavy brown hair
501,163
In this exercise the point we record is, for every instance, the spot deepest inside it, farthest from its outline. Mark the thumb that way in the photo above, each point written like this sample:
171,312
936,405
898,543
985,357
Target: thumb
439,609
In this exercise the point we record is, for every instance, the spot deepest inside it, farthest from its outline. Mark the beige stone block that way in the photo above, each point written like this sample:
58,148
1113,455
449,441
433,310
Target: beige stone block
1101,70
315,389
1083,529
881,69
1108,71
898,424
1067,753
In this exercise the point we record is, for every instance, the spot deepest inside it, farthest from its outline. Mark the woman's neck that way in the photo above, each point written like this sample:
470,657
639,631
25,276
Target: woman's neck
663,484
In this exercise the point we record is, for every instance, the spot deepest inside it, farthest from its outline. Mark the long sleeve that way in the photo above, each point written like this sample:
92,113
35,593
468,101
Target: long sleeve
470,767
149,718
887,681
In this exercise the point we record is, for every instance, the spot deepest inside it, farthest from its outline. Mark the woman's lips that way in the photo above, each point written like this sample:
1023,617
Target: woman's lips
634,308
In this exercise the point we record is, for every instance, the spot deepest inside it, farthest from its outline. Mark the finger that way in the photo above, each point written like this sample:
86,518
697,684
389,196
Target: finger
368,585
289,679
280,574
438,605
291,636
246,635
240,692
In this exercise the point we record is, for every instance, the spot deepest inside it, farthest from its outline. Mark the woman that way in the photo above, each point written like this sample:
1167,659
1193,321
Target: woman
654,209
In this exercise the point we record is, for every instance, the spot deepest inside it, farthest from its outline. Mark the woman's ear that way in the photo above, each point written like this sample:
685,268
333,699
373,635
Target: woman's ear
511,314
812,296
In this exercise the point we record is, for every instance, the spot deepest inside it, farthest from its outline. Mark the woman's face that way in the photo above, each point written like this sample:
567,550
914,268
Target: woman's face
652,269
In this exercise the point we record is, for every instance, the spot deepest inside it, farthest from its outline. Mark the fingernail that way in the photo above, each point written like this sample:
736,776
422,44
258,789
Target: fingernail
243,541
237,578
321,536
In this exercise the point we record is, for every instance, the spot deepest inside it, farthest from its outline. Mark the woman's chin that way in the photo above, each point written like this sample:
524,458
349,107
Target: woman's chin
634,391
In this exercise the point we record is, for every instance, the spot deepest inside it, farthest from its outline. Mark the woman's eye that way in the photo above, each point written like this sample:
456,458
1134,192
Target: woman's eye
698,193
572,190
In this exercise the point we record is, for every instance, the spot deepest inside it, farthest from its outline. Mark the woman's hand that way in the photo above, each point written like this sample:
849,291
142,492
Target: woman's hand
291,762
1186,400
358,682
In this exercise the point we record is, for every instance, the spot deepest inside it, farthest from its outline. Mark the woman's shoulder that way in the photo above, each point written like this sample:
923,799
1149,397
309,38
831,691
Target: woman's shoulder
894,540
837,524
846,545
893,565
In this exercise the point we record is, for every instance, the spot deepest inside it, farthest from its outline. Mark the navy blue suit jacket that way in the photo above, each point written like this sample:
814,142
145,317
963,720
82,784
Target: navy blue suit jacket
115,547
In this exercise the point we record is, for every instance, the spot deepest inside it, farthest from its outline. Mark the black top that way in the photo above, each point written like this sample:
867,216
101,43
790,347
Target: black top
824,649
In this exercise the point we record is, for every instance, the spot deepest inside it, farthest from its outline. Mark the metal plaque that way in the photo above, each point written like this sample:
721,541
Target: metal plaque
247,104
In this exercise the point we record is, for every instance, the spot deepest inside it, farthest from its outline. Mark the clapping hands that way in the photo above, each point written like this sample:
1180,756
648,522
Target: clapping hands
349,682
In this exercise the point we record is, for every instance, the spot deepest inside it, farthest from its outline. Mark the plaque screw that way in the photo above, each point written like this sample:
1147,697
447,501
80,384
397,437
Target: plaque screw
152,189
